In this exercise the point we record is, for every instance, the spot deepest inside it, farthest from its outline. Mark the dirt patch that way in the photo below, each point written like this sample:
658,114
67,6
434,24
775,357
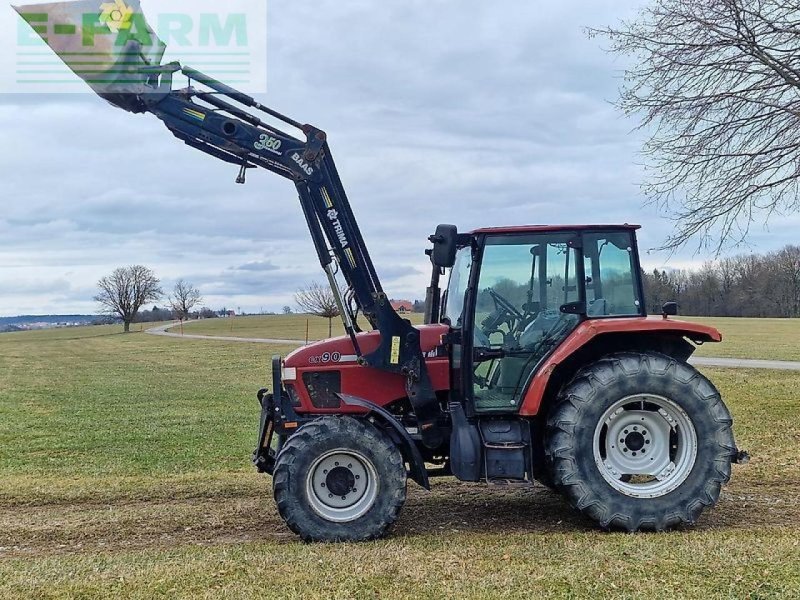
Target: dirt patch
450,507
62,529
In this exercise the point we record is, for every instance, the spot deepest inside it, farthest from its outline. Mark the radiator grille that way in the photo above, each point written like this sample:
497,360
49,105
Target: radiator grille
322,387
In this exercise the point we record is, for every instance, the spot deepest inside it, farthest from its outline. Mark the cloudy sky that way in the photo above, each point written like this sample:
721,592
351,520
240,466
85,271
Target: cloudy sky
465,111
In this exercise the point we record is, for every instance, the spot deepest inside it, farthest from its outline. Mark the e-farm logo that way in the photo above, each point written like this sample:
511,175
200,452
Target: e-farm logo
107,41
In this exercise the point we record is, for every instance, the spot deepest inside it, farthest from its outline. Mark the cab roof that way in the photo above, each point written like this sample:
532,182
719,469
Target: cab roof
553,228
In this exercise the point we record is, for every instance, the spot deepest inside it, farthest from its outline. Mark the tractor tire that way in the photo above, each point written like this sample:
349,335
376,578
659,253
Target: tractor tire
339,479
640,442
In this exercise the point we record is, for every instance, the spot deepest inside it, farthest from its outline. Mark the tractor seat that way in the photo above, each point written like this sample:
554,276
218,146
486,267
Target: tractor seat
537,329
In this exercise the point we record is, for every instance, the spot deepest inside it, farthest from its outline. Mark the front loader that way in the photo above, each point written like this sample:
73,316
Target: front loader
537,362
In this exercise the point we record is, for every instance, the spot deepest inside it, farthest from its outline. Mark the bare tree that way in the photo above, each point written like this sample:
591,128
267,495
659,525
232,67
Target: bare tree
318,300
716,84
787,279
126,290
184,298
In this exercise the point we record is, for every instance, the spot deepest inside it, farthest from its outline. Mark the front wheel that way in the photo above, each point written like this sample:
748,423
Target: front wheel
339,479
640,441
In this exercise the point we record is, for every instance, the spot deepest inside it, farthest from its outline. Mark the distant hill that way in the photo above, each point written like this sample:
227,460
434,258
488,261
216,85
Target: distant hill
23,322
55,319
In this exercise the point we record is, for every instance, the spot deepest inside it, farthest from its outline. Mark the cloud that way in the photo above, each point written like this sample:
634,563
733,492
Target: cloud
258,266
23,287
471,112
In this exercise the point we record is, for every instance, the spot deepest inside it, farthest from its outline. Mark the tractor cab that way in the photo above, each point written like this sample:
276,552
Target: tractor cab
515,294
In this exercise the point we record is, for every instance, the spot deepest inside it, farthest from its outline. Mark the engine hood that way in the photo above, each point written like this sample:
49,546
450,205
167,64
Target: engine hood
341,350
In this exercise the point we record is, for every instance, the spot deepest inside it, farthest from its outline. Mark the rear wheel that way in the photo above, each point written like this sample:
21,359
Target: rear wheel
339,479
541,468
640,441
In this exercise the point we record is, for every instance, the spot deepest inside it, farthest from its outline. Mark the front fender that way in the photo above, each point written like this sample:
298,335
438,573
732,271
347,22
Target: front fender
408,448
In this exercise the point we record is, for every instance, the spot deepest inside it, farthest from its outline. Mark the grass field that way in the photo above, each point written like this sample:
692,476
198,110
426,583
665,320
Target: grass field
282,327
771,339
124,472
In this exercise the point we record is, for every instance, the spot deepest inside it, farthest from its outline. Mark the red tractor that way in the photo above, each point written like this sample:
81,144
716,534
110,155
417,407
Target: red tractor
536,363
543,366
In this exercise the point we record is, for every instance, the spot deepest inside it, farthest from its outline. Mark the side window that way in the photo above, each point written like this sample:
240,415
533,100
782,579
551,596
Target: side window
526,281
611,280
505,284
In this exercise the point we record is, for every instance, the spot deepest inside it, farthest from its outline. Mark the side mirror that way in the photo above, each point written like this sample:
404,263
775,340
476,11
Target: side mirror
445,244
670,309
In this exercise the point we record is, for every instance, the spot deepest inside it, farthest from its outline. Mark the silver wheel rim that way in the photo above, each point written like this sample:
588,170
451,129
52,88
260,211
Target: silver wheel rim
342,485
645,446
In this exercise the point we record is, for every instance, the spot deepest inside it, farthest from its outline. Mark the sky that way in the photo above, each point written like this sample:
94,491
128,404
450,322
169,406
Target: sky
437,111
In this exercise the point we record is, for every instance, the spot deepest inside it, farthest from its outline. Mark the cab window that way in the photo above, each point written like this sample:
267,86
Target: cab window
612,285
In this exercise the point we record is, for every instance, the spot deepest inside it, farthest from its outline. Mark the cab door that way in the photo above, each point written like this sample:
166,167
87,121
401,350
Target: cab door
526,296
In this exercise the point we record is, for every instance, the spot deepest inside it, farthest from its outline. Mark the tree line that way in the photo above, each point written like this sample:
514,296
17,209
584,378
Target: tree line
165,313
750,285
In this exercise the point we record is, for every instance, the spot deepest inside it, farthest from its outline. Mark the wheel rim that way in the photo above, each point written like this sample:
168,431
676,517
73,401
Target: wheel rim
645,445
342,485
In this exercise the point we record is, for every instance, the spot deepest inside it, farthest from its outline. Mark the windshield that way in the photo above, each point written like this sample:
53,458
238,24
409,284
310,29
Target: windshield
457,287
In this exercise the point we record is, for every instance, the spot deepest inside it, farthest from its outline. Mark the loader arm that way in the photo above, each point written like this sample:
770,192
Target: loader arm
208,118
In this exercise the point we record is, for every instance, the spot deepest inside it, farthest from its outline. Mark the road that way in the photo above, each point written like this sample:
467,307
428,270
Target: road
700,361
162,330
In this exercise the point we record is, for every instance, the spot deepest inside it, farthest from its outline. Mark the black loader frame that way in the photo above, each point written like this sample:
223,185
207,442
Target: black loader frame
206,120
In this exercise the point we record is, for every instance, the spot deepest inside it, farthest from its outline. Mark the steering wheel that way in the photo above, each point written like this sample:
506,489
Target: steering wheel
503,312
504,305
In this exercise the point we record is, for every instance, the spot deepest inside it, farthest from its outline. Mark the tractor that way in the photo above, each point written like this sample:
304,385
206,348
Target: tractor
542,366
537,361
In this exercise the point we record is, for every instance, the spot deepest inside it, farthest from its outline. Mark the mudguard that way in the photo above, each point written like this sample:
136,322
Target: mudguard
408,448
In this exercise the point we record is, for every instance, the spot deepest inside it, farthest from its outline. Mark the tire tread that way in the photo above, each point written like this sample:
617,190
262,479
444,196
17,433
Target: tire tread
292,509
586,388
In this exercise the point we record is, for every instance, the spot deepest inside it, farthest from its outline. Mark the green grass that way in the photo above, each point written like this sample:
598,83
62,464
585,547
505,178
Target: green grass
124,462
768,339
102,403
562,564
73,333
282,327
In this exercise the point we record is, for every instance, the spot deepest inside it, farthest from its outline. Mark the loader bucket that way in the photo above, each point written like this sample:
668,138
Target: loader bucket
105,43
